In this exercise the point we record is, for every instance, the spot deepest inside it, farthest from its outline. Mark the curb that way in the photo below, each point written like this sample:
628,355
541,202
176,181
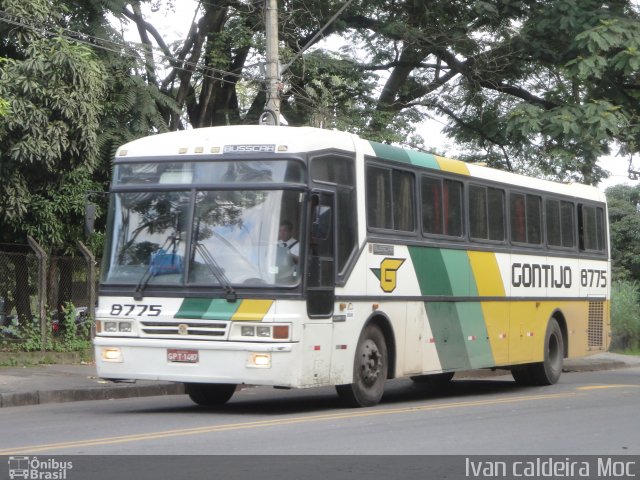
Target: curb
20,399
568,368
594,367
40,397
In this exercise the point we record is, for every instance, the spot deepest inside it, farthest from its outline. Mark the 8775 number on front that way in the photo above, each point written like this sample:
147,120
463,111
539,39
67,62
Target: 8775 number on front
136,310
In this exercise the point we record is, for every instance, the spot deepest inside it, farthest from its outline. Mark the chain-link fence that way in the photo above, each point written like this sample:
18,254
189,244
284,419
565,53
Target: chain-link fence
18,284
36,287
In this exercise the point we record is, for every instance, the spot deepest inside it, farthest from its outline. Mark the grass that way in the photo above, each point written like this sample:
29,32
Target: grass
627,351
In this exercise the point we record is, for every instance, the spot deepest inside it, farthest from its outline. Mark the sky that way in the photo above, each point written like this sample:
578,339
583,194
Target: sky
175,24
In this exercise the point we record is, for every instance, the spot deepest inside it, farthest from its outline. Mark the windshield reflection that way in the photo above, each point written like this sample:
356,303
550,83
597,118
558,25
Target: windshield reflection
240,230
148,232
234,238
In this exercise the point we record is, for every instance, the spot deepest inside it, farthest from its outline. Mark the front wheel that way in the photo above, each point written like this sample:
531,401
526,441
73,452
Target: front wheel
210,394
370,367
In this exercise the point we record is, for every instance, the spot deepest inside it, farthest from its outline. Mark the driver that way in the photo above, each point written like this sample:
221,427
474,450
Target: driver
286,240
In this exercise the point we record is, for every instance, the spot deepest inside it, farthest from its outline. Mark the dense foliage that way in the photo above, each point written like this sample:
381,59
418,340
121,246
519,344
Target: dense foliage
625,316
624,224
54,91
544,87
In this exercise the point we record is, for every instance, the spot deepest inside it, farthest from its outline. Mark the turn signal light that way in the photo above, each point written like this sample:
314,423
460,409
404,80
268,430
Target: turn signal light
281,332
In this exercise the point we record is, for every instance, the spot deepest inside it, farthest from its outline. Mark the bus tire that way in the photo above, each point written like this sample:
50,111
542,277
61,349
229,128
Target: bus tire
210,394
522,375
370,367
435,379
548,372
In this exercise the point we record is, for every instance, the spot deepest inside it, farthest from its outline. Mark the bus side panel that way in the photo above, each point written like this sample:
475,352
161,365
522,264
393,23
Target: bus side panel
316,357
527,332
496,317
413,338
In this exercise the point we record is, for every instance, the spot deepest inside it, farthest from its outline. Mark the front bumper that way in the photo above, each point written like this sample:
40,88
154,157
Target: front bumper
218,362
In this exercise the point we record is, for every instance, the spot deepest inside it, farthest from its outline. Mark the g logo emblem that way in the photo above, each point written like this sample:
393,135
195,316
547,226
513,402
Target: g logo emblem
388,273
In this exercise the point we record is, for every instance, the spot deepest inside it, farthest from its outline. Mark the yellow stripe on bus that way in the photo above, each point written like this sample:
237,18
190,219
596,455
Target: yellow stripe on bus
453,166
252,310
487,274
496,314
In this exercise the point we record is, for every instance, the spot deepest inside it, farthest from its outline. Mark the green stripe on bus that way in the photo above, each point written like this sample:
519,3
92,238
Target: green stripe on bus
422,159
390,153
220,309
459,272
193,307
431,271
475,335
206,308
447,333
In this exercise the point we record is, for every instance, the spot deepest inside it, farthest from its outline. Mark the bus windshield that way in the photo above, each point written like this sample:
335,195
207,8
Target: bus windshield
204,238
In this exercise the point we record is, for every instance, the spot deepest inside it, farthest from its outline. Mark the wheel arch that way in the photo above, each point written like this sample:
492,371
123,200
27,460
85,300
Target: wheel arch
562,323
383,322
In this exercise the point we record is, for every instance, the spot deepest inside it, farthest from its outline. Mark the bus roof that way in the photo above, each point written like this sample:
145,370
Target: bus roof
212,140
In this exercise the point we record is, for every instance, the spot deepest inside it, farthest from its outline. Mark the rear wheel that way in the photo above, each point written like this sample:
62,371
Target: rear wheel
436,379
548,372
521,375
370,367
210,394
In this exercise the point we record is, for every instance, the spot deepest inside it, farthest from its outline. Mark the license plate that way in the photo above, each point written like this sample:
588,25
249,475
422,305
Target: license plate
182,356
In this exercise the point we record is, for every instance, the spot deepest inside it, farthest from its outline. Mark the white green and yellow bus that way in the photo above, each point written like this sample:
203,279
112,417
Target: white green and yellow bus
299,257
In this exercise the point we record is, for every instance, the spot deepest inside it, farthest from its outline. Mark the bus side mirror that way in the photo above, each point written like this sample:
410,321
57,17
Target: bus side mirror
89,219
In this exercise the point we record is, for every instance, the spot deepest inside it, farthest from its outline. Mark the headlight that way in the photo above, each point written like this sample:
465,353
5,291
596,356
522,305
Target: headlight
247,331
264,332
124,327
111,327
255,332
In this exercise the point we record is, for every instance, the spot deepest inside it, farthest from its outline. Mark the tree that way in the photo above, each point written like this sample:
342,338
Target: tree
54,88
624,224
546,87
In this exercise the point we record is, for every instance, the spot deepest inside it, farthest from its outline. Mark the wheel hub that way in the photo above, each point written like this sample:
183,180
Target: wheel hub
371,363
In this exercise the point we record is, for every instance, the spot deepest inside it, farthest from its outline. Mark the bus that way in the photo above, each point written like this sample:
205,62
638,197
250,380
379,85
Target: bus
297,257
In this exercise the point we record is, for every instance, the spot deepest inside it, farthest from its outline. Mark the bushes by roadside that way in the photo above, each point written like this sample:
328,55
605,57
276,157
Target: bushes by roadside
68,332
625,316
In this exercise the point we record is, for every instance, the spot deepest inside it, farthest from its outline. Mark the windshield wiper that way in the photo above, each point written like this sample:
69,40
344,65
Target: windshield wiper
217,272
149,271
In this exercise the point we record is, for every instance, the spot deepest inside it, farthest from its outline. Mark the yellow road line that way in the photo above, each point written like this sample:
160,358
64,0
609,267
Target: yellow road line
272,423
602,387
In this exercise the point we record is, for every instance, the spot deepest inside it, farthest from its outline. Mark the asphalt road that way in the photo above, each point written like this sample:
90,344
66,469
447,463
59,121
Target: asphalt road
591,413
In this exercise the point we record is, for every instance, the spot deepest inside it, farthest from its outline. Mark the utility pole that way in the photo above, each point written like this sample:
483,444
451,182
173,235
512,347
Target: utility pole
271,115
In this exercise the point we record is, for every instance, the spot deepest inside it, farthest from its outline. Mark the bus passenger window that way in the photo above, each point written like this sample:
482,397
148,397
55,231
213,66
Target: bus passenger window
379,198
431,206
441,206
403,201
526,218
518,218
559,223
486,213
390,199
591,228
